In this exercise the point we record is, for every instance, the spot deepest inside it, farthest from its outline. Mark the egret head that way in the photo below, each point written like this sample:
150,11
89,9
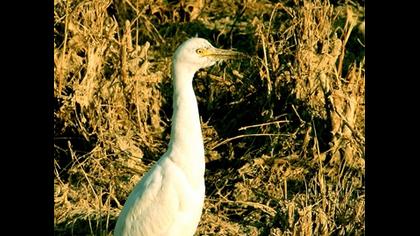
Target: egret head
197,53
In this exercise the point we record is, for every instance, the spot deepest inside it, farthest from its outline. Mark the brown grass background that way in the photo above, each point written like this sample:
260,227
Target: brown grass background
283,130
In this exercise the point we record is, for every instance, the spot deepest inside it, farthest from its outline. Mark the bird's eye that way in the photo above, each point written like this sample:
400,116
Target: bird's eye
199,51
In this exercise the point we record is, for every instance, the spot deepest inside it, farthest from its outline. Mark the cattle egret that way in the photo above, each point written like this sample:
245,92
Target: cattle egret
169,198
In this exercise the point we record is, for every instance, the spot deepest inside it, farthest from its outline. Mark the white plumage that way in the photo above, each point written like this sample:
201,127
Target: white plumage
169,198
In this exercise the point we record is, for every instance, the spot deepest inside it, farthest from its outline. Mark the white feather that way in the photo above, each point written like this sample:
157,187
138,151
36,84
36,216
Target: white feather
169,198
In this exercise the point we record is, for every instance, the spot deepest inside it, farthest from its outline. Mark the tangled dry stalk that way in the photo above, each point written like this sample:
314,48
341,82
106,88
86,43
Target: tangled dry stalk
284,130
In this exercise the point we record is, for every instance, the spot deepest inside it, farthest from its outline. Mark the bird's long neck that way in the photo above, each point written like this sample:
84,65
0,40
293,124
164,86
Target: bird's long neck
186,142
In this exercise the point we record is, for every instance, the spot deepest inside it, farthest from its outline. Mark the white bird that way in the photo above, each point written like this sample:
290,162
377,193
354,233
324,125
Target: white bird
169,199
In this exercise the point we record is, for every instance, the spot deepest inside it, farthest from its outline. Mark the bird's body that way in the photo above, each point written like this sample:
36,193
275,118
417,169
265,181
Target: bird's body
169,198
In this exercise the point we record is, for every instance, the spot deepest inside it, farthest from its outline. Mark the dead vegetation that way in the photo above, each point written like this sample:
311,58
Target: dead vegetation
284,130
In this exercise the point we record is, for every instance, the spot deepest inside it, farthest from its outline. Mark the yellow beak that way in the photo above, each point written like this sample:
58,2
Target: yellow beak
222,54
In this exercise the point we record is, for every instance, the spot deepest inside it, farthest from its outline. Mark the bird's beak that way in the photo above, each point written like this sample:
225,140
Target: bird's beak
222,54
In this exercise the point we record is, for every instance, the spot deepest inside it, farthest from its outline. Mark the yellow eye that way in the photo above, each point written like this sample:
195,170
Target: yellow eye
199,51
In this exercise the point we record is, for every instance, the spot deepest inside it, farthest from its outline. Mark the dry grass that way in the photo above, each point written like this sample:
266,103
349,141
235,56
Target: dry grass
284,130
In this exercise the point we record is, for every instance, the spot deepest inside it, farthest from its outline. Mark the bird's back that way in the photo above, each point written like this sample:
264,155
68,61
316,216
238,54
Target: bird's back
163,203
